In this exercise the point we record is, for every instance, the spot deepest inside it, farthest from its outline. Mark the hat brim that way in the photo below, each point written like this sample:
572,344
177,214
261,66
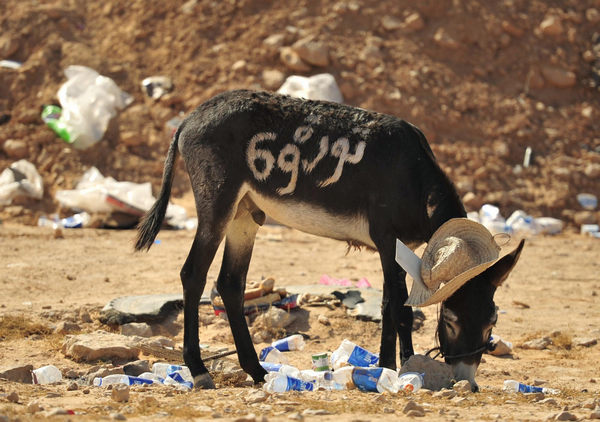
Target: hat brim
450,287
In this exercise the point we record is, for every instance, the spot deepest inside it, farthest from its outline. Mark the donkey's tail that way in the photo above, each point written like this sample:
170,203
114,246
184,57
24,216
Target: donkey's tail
152,221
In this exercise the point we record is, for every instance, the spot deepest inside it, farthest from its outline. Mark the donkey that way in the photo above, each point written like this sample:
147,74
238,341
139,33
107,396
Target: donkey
330,170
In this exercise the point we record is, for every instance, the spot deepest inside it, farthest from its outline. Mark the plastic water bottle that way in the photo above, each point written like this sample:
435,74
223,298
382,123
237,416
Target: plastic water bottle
513,386
46,375
293,342
279,383
152,377
272,355
350,353
164,369
177,379
282,368
410,381
120,379
76,221
375,379
343,377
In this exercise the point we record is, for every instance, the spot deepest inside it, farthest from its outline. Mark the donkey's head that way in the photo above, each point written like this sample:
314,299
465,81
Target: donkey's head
467,317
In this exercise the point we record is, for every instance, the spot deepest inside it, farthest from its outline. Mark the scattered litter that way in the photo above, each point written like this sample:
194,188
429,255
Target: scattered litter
95,193
513,386
21,178
588,201
75,221
320,362
157,86
411,381
10,64
293,342
316,87
89,100
349,353
499,347
519,223
280,383
46,375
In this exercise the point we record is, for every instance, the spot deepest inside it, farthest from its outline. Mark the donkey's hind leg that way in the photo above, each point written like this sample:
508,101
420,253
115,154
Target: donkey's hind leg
231,283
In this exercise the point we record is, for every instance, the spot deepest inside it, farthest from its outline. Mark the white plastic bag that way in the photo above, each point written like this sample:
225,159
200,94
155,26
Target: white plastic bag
21,178
316,87
89,100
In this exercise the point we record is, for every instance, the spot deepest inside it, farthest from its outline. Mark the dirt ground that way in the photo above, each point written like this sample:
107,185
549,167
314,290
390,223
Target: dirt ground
552,292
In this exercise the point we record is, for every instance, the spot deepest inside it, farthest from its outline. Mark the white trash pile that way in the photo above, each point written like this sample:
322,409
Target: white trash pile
519,223
351,366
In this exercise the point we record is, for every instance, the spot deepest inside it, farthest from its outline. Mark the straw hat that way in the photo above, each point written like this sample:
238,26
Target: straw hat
458,251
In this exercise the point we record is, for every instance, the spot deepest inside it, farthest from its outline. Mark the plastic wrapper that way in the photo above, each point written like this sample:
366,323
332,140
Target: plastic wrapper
21,178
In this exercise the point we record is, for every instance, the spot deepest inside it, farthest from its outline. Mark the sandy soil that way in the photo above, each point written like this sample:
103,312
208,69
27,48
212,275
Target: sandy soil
47,280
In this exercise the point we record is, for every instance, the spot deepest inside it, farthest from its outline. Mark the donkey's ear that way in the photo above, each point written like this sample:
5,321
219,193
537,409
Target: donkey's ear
501,269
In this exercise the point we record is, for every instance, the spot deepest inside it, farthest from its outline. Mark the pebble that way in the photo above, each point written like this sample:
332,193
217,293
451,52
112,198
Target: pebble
16,149
391,23
414,22
443,39
415,413
251,417
592,15
292,60
272,78
559,77
463,386
257,396
312,52
324,320
537,344
315,412
595,414
388,410
549,401
565,416
120,393
72,386
585,342
551,26
445,393
413,406
13,397
136,329
118,416
296,416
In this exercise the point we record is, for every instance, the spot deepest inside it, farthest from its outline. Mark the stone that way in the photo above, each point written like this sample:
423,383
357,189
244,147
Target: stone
16,149
251,417
73,386
20,373
66,327
511,29
592,170
438,374
443,39
312,52
272,78
591,403
391,23
537,344
275,40
472,201
323,320
592,15
136,368
413,22
595,414
415,414
549,401
136,329
239,65
257,396
565,416
292,60
559,77
535,80
120,393
84,316
463,386
315,412
445,394
8,46
117,416
13,397
144,308
552,26
584,217
585,342
412,405
99,345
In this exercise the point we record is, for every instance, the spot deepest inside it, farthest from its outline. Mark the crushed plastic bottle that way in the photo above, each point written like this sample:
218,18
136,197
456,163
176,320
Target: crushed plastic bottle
178,380
120,379
375,379
163,369
46,375
272,355
152,377
350,354
293,342
513,386
281,368
411,381
280,383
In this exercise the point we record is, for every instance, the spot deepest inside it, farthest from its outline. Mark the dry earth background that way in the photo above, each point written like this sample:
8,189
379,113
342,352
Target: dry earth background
484,80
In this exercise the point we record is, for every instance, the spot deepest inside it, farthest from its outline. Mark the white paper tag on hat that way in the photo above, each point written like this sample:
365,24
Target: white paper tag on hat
411,263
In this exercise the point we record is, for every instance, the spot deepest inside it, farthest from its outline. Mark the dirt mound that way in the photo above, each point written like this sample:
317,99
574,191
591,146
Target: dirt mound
484,80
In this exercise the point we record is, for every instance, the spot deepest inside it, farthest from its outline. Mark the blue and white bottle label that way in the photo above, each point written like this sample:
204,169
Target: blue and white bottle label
366,378
362,357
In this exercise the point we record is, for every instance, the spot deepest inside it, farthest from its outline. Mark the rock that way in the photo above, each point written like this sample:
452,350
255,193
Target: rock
275,40
116,415
13,397
584,217
188,7
292,60
17,373
537,344
257,396
274,318
445,394
66,327
565,416
145,308
415,414
472,201
312,52
16,149
535,80
443,39
136,368
511,29
592,170
559,77
413,22
585,342
323,320
8,46
591,403
549,401
73,386
272,78
120,393
34,407
99,345
463,386
552,26
391,23
412,405
250,417
136,329
315,412
592,15
84,316
595,414
438,375
238,65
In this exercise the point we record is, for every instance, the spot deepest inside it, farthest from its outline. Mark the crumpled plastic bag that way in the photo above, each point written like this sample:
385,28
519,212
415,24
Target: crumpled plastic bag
316,87
95,193
89,100
21,178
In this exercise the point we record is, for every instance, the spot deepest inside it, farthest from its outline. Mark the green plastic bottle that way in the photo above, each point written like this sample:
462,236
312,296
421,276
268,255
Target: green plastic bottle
51,116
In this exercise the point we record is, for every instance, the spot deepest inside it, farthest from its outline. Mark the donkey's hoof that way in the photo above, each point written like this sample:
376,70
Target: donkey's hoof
204,382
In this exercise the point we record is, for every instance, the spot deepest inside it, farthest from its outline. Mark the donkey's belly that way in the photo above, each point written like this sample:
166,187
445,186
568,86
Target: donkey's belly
315,220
